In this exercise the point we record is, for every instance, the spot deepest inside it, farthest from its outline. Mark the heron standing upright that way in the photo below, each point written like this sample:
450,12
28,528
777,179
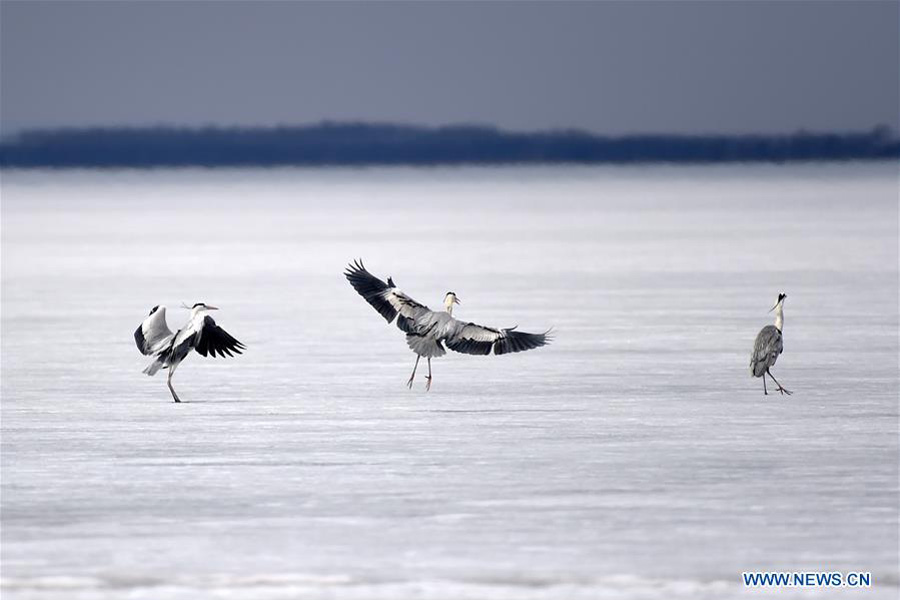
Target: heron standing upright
768,347
153,338
427,330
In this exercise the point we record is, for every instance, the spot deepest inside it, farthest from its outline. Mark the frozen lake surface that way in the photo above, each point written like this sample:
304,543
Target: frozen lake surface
634,458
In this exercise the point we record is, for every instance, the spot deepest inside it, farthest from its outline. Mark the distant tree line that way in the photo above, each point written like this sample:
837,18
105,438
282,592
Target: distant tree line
376,144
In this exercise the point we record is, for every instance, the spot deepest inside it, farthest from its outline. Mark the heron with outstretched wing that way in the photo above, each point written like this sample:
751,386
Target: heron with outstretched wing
428,331
154,338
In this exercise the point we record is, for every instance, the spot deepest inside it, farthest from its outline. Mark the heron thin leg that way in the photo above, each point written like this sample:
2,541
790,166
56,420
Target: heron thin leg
765,391
781,388
169,382
413,376
428,385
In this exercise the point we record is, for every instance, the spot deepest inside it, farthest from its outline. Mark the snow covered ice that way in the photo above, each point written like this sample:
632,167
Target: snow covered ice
634,458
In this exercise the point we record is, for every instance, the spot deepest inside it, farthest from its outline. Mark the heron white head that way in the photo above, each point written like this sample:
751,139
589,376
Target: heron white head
449,300
200,307
779,311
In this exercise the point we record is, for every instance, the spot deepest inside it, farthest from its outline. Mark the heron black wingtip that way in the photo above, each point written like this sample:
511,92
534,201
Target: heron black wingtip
139,338
354,267
372,289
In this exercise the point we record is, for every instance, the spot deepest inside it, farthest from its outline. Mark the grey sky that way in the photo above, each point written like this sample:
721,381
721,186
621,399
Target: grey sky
604,66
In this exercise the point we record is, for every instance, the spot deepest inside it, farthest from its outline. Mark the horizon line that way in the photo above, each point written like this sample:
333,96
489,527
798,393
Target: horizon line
365,143
880,129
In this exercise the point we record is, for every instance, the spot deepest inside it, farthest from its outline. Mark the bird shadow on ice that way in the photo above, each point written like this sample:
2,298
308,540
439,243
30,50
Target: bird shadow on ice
495,410
212,402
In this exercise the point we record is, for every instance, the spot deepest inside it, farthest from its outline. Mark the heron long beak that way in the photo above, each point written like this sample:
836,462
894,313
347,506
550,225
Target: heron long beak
456,300
208,307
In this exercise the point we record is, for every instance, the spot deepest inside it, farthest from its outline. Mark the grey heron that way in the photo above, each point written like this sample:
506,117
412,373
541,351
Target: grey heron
153,338
427,331
768,346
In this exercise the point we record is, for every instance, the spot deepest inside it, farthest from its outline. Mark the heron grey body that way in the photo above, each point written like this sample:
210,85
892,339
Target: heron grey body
430,333
768,347
154,338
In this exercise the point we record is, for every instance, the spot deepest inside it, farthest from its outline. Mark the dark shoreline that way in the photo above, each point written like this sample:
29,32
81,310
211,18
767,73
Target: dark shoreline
362,144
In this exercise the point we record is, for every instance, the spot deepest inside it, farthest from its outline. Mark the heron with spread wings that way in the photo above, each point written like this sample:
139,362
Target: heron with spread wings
428,331
153,338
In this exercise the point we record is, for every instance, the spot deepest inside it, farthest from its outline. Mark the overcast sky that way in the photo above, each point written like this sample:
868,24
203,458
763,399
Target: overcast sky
609,67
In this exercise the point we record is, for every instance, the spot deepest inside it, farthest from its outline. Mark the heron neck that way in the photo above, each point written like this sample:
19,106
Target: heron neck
450,309
779,318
